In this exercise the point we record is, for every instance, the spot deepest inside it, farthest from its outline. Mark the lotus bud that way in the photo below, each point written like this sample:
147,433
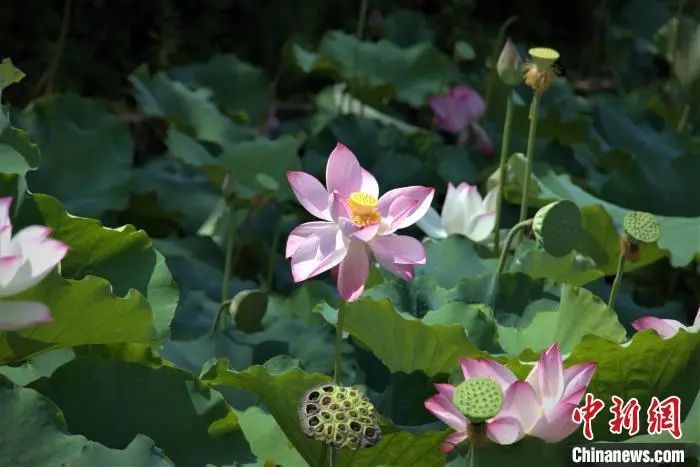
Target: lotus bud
557,227
339,416
509,65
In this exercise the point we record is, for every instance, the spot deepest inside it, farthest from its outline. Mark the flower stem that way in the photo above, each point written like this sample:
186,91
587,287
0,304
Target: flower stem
517,228
534,107
505,143
683,120
47,79
339,341
219,323
472,455
323,457
361,20
617,281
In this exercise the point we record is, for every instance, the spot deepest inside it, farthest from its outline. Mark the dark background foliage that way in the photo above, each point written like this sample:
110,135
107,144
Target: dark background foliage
104,41
181,118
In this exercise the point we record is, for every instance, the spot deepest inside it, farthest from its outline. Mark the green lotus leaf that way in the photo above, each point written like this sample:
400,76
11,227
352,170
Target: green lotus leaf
79,141
34,433
191,422
432,349
281,392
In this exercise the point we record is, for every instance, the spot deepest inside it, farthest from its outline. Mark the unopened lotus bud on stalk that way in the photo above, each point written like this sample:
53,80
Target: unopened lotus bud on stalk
339,416
509,69
509,65
640,227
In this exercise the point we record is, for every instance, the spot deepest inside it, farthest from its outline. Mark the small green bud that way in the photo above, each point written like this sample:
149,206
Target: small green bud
478,399
339,416
510,65
557,227
642,226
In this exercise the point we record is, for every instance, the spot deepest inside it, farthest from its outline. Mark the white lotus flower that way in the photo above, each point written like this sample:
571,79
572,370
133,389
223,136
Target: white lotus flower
464,212
25,259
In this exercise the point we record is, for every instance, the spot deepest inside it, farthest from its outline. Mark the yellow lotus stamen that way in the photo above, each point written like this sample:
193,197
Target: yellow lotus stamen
363,207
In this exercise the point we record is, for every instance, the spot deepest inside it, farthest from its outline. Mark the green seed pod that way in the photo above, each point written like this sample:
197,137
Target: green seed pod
339,416
557,227
478,399
543,57
642,226
248,309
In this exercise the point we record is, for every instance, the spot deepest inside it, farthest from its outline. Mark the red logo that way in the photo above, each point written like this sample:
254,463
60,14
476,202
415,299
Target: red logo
587,413
664,416
625,415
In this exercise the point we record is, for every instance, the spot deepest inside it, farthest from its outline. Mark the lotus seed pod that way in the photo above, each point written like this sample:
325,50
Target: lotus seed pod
557,227
509,65
478,399
642,226
541,73
339,416
543,57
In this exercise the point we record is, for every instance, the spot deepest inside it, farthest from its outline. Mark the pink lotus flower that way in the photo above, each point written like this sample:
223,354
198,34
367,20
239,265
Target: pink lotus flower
540,406
551,395
458,112
355,226
666,328
25,259
504,428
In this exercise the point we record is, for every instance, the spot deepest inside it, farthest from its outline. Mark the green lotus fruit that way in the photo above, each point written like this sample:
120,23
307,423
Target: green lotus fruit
557,227
339,416
478,399
642,226
248,309
543,57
